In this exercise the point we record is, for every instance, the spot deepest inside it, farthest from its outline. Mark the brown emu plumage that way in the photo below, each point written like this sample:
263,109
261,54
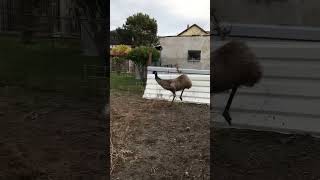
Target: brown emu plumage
180,83
234,65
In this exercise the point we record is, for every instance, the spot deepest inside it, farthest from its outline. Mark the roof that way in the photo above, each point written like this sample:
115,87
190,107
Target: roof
280,32
194,25
185,36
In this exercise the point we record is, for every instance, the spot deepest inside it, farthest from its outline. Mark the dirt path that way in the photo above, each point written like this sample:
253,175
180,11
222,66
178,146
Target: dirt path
51,136
153,140
252,155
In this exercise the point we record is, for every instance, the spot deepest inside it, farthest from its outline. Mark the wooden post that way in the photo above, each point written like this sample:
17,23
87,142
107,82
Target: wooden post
85,74
149,62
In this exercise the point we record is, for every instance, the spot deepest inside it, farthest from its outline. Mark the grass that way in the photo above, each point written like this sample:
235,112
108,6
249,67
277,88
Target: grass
119,84
42,65
125,82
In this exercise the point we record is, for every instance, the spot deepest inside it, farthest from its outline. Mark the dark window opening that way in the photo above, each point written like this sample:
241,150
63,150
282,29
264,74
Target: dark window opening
194,55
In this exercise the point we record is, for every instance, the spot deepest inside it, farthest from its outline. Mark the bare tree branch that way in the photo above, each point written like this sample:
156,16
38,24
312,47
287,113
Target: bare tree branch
221,31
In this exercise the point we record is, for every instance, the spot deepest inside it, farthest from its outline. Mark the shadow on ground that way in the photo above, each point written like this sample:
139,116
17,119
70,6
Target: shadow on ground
251,155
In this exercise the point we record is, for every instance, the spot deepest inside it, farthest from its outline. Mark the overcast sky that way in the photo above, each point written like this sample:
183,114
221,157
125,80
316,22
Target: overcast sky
172,16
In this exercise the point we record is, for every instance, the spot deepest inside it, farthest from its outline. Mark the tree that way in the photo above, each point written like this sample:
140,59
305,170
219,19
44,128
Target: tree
125,37
140,29
114,37
140,56
120,53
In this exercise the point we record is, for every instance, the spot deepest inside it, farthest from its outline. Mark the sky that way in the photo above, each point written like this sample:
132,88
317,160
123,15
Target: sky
172,16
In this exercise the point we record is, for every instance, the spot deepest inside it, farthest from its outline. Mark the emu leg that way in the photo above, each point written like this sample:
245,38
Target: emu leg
181,95
226,114
174,96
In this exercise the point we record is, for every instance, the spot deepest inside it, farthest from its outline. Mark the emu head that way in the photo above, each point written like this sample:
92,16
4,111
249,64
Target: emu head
155,72
158,47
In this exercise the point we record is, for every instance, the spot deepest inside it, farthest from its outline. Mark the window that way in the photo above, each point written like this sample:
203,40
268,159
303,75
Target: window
194,55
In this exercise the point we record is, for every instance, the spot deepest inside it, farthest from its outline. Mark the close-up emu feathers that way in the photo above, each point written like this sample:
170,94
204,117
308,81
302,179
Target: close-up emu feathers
234,64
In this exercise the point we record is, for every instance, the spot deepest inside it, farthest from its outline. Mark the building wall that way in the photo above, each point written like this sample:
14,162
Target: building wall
193,31
273,12
175,51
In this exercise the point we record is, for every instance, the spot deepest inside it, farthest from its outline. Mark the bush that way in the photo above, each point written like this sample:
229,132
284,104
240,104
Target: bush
140,55
121,50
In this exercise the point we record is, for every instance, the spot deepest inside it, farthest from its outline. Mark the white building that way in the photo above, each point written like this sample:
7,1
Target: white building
189,49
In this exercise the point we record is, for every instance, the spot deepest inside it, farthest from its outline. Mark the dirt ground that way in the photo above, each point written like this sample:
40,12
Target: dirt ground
153,140
256,155
47,135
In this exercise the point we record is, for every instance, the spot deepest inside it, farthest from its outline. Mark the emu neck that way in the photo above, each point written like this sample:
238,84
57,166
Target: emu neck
160,81
157,77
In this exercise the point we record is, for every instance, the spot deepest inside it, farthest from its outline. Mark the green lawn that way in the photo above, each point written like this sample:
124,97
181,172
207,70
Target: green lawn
41,65
125,82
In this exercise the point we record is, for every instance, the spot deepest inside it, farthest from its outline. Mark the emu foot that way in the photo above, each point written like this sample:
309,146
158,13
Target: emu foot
227,117
181,98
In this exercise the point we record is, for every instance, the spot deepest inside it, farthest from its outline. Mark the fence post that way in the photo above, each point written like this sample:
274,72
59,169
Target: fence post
105,70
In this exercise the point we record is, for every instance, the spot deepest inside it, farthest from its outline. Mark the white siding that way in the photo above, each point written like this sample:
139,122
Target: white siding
199,92
288,97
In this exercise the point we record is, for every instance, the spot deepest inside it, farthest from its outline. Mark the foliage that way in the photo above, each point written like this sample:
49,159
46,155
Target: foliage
121,50
120,36
140,29
140,55
117,59
115,38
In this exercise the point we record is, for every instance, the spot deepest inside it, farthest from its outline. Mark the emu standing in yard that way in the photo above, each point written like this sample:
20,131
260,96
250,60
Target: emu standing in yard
234,65
180,83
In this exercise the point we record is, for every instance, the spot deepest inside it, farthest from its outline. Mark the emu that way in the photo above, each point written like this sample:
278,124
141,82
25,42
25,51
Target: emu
234,65
180,83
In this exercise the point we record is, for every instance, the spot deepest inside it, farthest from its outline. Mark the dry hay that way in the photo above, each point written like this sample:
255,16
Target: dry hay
153,138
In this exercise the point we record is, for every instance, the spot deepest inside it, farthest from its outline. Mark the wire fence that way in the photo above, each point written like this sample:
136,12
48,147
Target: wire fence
50,17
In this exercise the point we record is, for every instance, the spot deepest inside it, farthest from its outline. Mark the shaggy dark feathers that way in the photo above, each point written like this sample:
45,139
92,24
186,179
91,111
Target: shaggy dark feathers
234,64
